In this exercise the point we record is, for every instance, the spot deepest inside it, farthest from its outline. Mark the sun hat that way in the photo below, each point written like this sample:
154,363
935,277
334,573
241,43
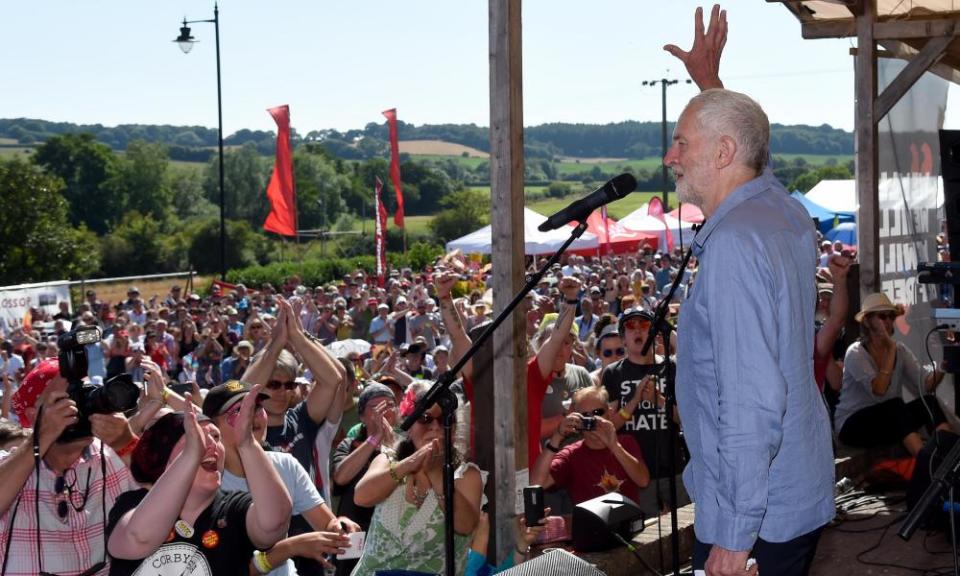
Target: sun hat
877,302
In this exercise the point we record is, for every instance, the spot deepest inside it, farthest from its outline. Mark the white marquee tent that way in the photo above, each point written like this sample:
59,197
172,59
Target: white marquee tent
639,220
535,242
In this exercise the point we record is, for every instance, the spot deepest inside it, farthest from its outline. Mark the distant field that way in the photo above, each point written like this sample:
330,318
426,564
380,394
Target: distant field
572,166
190,166
8,141
470,163
818,159
15,152
439,148
616,210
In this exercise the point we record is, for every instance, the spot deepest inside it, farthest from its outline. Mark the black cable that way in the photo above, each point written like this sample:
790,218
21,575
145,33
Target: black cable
636,553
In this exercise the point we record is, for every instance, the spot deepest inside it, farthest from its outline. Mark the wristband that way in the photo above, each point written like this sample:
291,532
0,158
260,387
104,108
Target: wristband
551,447
165,394
393,474
373,440
624,414
573,302
130,447
261,562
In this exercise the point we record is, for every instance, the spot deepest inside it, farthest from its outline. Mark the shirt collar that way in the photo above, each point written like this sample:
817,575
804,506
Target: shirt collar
741,194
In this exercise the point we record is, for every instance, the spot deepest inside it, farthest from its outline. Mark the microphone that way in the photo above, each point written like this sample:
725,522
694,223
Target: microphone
615,189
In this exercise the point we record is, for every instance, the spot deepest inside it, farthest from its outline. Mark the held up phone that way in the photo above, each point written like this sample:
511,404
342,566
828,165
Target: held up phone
181,388
533,504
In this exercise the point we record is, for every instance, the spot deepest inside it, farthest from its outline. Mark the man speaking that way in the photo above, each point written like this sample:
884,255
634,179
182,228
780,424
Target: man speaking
761,470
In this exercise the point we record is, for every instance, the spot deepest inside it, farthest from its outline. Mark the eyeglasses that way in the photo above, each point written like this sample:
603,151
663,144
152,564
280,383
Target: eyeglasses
65,486
886,315
636,324
276,385
594,412
608,352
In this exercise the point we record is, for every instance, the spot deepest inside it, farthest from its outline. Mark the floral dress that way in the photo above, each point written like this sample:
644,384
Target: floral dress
404,537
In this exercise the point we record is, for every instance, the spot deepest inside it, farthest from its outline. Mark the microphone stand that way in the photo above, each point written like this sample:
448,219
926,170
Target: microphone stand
670,390
440,394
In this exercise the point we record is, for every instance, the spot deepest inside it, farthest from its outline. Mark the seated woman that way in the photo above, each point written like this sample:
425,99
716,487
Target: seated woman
185,519
406,532
871,411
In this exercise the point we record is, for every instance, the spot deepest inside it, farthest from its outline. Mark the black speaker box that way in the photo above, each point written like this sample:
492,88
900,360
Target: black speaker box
554,563
595,521
950,171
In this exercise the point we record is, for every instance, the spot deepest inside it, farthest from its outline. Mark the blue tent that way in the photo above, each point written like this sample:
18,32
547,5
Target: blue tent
826,217
846,233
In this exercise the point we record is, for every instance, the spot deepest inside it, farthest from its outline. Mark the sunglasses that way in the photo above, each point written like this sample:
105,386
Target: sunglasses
594,412
276,385
427,419
886,315
614,352
636,324
66,486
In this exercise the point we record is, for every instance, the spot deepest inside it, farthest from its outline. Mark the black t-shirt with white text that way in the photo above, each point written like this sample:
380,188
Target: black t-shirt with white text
219,543
649,422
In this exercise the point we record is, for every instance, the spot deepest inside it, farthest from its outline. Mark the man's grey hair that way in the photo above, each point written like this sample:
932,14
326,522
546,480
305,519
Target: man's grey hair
738,116
286,363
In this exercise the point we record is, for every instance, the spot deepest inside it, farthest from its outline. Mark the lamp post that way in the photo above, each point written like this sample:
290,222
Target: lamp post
186,41
664,82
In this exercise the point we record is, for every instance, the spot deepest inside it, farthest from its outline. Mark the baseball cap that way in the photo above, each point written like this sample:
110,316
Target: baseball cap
221,398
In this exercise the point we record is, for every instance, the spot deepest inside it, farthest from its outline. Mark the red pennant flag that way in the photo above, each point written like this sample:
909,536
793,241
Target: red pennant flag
655,209
380,234
391,116
283,200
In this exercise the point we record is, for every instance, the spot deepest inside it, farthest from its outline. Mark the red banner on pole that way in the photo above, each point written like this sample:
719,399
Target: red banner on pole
391,116
655,209
283,200
380,234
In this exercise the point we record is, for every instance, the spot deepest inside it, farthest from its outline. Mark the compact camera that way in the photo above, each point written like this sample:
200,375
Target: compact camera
588,423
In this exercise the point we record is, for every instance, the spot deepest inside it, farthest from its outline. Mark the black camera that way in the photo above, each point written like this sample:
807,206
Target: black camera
589,423
119,394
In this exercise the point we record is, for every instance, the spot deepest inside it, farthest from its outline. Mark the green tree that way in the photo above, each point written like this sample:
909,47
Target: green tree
188,200
39,243
85,166
320,190
243,245
136,246
141,178
245,184
464,211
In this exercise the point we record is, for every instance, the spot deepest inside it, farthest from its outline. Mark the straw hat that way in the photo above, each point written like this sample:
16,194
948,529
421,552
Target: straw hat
877,302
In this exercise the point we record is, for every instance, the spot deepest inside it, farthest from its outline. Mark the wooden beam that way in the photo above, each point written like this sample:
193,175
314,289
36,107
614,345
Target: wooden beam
865,136
891,30
509,430
907,77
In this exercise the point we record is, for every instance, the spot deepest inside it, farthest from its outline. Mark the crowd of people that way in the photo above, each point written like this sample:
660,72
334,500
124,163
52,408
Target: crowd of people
265,437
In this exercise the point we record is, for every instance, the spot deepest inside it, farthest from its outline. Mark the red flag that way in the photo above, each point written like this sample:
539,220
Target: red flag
391,115
380,235
283,199
655,209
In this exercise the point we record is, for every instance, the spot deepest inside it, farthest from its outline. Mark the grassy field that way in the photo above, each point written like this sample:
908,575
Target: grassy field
10,152
616,210
818,159
439,148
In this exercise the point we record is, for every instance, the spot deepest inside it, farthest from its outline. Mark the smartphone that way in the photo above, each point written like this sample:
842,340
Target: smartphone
533,504
182,388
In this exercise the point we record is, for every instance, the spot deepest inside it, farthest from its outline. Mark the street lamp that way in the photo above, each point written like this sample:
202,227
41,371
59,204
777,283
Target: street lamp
186,42
664,82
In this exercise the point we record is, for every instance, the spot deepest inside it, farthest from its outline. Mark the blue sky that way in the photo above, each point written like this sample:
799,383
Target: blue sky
339,63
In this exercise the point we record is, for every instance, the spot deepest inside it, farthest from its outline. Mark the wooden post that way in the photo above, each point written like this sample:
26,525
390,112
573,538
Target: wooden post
508,431
865,134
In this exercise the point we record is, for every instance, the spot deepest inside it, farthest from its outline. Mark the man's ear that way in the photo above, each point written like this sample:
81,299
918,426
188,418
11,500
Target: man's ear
726,152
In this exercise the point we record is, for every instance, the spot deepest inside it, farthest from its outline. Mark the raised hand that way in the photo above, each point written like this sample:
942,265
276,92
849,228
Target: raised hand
839,265
570,288
444,282
195,441
59,412
703,59
244,424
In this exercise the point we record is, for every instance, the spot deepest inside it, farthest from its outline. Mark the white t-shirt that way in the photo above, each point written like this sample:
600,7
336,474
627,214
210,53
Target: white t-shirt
13,365
322,446
302,492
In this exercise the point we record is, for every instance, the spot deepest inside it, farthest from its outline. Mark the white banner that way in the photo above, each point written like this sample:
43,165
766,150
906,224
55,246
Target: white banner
16,301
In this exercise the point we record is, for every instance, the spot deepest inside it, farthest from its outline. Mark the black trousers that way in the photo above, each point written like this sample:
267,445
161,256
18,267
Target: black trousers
889,422
790,558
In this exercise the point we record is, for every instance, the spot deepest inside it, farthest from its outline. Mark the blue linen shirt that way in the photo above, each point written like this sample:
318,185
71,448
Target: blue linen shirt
761,458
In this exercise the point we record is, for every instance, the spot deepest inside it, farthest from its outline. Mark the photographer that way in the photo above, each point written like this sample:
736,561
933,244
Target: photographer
79,481
600,463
